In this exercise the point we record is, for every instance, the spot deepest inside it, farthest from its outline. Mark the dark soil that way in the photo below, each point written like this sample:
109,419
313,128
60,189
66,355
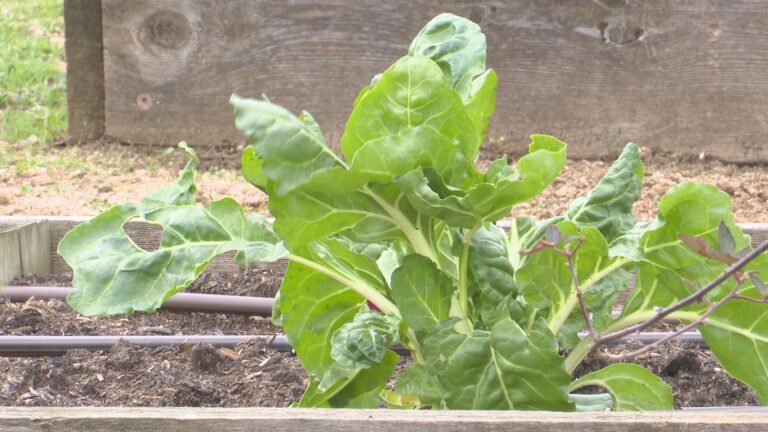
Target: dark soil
250,374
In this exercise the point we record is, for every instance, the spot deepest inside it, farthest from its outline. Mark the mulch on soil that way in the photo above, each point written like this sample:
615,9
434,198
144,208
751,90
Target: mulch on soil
250,374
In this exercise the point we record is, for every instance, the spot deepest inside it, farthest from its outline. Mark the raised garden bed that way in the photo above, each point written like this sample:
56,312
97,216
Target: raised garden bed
238,374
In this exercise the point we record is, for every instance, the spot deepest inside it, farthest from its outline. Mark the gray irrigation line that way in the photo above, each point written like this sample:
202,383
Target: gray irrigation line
192,302
56,345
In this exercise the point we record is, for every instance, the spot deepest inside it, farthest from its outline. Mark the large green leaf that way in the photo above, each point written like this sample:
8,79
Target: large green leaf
457,45
422,292
314,306
633,387
290,149
304,216
737,334
504,368
608,206
482,101
688,208
411,118
491,271
113,275
363,342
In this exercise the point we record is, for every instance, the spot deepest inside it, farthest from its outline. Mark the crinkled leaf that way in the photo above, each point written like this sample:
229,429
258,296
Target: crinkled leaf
112,275
491,270
291,148
363,342
422,292
314,306
504,368
633,387
457,45
492,198
608,206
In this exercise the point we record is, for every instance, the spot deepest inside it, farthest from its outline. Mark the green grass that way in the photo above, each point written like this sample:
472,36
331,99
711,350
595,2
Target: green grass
32,72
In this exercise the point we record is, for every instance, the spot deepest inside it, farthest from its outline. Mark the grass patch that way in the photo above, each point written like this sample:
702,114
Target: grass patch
32,71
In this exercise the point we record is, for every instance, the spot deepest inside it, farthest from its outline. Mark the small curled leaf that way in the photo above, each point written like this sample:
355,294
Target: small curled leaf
759,284
553,234
725,241
363,342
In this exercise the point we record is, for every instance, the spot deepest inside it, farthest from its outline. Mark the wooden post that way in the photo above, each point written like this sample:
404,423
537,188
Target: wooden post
85,69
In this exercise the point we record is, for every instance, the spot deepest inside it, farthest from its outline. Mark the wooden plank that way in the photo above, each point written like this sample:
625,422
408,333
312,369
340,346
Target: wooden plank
35,248
85,69
87,419
10,257
671,74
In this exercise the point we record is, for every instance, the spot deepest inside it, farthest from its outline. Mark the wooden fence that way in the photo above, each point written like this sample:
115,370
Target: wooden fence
679,75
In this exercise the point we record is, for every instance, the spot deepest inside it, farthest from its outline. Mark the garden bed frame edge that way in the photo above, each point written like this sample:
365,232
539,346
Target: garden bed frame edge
88,419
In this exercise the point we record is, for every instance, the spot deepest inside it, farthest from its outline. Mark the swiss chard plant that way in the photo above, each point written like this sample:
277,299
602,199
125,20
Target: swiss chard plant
394,243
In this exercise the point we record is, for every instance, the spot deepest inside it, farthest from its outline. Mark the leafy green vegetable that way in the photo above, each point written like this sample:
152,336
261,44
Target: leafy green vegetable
394,242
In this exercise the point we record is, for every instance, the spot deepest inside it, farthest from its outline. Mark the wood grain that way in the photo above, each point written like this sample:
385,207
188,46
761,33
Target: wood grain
681,75
10,258
35,248
88,419
85,69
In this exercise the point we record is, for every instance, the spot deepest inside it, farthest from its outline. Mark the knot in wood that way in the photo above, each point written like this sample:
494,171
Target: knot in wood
167,29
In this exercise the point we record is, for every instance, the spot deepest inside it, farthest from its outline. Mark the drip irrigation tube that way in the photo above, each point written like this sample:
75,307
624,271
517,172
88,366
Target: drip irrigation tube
24,346
191,302
27,346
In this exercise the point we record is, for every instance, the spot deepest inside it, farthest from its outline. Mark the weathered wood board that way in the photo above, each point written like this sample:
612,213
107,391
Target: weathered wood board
679,75
24,249
85,69
90,419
